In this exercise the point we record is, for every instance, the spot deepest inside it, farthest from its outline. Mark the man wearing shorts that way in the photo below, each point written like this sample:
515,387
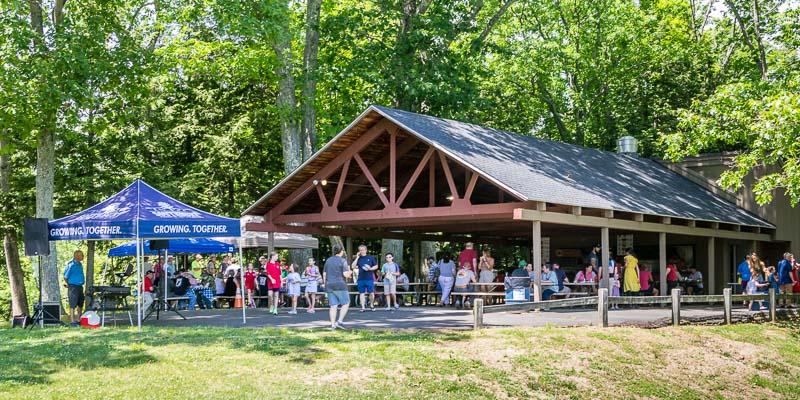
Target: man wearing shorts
334,277
366,265
73,281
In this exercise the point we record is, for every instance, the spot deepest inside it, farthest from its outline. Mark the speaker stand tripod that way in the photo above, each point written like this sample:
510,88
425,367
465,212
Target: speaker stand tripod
41,314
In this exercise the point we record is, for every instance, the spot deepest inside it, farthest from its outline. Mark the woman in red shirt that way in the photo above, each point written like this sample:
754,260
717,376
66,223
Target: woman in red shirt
274,282
250,284
672,277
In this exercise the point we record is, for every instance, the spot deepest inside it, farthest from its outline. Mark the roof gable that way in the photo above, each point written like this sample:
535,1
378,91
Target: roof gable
562,173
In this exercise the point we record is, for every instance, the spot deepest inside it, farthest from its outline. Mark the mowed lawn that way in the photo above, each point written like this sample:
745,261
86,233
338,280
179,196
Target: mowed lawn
741,361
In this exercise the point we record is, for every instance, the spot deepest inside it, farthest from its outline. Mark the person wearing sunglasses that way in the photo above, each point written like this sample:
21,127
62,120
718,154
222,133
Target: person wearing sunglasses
390,271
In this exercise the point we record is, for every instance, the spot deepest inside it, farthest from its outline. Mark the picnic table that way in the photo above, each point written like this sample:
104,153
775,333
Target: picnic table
582,287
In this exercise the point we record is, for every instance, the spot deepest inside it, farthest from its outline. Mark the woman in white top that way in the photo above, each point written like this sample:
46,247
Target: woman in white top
447,273
312,274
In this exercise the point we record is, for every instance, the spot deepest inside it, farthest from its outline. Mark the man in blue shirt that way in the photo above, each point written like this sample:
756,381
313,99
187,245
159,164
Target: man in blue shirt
744,273
785,278
366,265
549,282
73,281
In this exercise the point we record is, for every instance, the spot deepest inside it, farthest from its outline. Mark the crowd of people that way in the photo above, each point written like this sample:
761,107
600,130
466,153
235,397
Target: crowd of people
757,278
274,283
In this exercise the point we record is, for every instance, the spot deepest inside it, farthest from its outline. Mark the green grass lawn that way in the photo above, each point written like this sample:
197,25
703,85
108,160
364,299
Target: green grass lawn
741,361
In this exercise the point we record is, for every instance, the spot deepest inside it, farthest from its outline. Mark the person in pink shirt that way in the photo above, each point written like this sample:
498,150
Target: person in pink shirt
646,282
469,256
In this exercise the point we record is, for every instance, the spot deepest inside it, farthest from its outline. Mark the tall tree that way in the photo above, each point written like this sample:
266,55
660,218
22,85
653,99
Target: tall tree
16,277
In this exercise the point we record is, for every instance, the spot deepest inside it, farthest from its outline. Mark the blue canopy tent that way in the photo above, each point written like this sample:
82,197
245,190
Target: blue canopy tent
194,245
141,212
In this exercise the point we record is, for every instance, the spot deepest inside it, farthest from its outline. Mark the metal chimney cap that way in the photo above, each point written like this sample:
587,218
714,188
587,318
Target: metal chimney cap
628,145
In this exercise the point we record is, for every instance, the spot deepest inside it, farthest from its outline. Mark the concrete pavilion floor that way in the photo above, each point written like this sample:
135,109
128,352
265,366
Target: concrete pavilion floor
437,319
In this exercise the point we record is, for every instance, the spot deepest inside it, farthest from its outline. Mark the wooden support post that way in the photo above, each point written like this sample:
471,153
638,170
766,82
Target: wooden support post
638,217
602,307
477,314
431,182
348,248
537,261
416,251
603,267
662,262
712,279
676,307
773,305
393,167
270,242
726,296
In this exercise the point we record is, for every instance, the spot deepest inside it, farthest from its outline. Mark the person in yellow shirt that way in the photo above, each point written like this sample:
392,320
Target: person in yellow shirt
632,286
197,264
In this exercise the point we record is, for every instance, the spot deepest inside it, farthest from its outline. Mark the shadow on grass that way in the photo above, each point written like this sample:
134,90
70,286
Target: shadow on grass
31,357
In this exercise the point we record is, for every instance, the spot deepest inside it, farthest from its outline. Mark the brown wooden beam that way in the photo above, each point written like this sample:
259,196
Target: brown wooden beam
415,176
299,193
393,167
449,176
403,215
371,179
431,183
340,185
322,198
473,180
378,168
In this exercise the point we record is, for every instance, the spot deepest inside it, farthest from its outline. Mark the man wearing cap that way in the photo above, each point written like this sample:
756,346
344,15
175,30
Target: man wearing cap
147,291
197,264
73,281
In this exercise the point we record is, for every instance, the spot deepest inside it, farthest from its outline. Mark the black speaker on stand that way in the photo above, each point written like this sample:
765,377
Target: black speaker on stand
37,244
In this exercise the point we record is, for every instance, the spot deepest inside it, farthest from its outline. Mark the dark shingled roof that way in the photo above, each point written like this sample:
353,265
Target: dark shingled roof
545,170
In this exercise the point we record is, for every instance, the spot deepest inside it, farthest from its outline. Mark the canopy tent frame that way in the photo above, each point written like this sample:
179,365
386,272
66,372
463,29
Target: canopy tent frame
113,219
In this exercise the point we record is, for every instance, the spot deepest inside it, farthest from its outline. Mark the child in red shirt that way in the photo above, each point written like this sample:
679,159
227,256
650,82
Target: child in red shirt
274,283
250,284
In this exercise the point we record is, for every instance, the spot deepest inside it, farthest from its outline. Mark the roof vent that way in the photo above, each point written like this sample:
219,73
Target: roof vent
628,146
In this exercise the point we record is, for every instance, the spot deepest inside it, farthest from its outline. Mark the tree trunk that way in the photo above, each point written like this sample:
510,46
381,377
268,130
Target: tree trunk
428,249
89,274
45,168
392,246
287,105
45,171
16,278
309,125
336,240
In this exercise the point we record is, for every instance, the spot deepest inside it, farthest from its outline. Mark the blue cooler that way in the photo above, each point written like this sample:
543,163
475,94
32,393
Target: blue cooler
518,295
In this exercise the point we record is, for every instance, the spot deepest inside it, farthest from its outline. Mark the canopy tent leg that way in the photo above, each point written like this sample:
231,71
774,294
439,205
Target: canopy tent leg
138,283
165,278
241,283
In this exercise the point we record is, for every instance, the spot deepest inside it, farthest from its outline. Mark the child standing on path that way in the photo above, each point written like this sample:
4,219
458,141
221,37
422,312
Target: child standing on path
250,284
312,277
293,287
390,271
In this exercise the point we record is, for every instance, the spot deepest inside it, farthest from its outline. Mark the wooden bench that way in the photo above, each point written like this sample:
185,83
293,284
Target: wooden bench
566,295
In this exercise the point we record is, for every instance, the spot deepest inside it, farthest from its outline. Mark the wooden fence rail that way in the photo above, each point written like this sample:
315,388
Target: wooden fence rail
602,300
